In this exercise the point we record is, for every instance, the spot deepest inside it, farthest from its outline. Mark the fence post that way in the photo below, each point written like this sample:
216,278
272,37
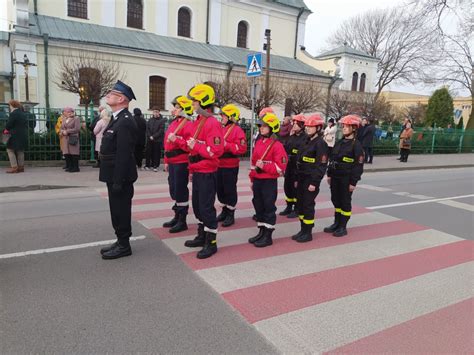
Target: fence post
433,139
91,114
460,140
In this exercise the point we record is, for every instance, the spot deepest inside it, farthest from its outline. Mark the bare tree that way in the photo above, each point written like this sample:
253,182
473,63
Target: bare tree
244,97
306,96
399,38
89,76
340,104
373,107
416,113
225,87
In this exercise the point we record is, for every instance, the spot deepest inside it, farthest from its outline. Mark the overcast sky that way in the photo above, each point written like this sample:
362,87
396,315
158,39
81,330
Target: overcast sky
329,14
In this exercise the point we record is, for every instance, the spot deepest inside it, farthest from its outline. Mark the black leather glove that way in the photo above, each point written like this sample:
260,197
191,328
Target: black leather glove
116,187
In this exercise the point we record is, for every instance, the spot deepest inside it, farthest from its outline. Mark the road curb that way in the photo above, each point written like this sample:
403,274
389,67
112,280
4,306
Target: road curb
378,170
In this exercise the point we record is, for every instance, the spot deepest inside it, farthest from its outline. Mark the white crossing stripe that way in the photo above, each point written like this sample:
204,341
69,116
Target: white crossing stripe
457,204
417,202
68,247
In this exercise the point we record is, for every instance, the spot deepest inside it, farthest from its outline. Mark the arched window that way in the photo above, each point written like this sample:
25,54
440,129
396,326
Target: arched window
89,86
157,92
77,8
355,79
135,14
242,32
184,22
362,83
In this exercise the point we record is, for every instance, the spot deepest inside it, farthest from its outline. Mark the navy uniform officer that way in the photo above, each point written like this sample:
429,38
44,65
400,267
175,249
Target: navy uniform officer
311,165
118,169
345,169
292,146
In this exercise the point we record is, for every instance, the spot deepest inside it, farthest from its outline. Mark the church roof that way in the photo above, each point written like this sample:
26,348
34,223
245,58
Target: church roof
344,49
292,3
73,31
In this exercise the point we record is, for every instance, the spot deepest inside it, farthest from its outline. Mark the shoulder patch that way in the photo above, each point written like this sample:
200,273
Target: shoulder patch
217,140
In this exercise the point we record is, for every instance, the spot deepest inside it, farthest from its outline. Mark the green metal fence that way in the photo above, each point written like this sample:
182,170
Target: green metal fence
44,142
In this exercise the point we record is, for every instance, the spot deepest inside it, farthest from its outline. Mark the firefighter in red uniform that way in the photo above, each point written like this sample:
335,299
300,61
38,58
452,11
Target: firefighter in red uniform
268,162
205,146
311,164
176,162
235,145
292,146
345,169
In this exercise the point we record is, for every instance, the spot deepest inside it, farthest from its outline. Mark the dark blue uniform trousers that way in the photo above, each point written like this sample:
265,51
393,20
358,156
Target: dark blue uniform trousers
120,203
204,197
265,193
227,186
178,176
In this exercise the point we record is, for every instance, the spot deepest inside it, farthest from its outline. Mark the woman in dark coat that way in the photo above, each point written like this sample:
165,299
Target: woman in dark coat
17,127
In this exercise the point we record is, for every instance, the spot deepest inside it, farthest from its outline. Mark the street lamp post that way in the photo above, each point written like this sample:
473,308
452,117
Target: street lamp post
26,64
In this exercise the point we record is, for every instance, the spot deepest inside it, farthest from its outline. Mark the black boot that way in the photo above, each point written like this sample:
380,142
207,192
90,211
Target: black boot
180,225
198,241
297,235
266,238
221,217
210,246
287,210
108,248
74,164
307,234
229,219
118,251
258,236
173,221
341,230
67,157
333,227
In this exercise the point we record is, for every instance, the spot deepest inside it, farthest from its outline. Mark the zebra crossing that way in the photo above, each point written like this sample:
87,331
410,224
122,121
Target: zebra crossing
390,286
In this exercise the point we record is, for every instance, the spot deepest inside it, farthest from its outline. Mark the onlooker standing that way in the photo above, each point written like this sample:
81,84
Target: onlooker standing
70,130
360,131
141,136
405,121
330,134
155,131
99,129
285,129
368,140
17,127
405,142
91,127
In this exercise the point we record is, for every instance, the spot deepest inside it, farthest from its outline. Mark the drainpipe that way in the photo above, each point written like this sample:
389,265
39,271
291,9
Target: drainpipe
207,21
46,73
35,2
297,28
12,75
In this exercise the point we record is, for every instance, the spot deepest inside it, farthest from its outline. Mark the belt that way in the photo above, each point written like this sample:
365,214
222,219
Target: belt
195,158
228,155
174,153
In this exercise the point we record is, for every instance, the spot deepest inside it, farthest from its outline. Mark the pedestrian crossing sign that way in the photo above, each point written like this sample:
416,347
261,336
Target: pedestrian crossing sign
254,64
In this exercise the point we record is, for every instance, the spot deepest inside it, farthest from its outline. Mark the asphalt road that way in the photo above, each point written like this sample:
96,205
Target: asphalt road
72,301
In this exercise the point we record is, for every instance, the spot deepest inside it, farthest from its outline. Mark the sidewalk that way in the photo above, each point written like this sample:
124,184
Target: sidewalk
44,177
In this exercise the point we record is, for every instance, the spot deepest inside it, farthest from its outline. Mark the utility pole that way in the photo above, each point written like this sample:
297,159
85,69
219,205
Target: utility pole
267,47
26,64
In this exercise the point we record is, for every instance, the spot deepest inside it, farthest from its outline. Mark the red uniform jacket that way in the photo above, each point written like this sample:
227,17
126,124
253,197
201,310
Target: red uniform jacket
274,162
173,148
209,146
235,144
